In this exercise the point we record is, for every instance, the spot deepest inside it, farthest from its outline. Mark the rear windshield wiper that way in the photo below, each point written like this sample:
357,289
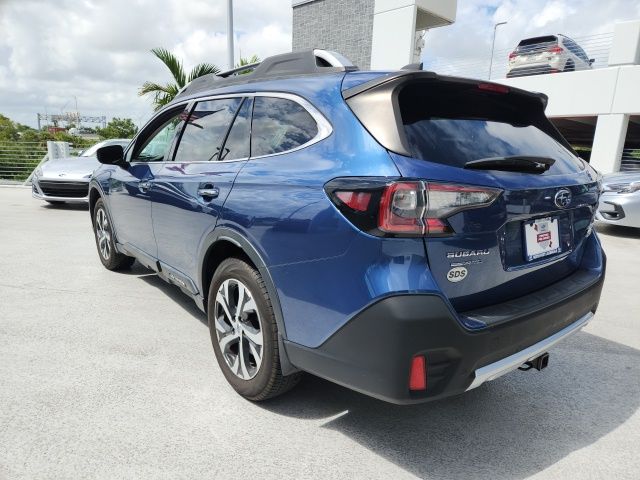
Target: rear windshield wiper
515,163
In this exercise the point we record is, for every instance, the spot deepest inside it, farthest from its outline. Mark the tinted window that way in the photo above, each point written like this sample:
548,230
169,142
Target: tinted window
155,147
237,144
573,48
279,125
205,130
454,124
582,54
536,44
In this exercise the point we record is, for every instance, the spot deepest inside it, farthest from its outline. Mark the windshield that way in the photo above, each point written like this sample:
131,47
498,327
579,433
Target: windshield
455,125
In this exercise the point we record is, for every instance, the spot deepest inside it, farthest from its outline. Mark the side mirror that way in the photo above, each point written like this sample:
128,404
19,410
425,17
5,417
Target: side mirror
591,60
112,155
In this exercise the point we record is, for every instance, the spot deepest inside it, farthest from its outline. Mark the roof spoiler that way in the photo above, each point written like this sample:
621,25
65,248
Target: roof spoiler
410,73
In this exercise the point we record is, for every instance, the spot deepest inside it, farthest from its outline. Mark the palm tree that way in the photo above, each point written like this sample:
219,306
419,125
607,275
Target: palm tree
247,61
163,94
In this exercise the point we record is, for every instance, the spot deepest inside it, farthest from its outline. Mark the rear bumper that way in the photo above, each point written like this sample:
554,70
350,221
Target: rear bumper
533,69
372,352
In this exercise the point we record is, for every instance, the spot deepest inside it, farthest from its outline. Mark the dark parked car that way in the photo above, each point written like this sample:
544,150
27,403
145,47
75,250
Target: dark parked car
404,234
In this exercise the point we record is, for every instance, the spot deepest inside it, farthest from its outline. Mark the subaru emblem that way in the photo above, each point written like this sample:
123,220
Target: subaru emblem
562,198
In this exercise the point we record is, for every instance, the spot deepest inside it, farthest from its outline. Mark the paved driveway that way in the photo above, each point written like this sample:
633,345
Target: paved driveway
112,375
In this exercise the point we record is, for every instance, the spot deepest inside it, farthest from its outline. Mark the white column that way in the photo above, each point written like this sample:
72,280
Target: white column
395,22
608,142
392,45
625,47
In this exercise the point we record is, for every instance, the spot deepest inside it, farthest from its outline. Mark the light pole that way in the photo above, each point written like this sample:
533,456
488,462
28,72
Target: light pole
77,114
230,33
493,44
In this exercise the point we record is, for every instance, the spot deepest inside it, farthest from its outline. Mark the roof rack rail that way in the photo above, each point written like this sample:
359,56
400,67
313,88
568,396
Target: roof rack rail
413,66
305,62
242,68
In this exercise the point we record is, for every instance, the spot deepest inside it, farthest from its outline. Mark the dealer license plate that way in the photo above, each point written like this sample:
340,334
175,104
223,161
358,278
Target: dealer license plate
541,238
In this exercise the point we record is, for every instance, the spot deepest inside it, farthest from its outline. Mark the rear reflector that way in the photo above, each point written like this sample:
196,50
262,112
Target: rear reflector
418,373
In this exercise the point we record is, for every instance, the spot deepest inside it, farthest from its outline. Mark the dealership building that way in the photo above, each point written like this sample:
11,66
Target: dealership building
597,109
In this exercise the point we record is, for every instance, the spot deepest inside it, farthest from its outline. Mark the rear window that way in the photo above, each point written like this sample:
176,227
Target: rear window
530,42
457,123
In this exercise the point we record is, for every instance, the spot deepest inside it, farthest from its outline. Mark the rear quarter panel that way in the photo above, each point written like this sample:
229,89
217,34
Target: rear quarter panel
324,269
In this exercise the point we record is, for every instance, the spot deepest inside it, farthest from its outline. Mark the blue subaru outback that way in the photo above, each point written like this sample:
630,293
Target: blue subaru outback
404,234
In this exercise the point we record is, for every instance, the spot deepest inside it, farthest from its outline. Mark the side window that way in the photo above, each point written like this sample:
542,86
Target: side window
279,124
573,48
237,144
582,54
206,129
155,147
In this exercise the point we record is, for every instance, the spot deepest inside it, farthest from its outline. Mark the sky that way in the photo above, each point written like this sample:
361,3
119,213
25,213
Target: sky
53,53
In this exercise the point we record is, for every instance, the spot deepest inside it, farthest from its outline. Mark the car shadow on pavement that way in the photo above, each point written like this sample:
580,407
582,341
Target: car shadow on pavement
172,292
66,206
512,427
618,231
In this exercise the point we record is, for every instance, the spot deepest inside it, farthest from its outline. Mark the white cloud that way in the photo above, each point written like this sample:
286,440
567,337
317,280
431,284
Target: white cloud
98,52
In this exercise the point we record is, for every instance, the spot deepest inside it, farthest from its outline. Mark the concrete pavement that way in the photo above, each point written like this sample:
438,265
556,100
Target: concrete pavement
111,375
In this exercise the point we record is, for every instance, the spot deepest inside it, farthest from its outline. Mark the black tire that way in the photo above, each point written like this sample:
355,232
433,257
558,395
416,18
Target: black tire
267,380
569,66
103,233
55,202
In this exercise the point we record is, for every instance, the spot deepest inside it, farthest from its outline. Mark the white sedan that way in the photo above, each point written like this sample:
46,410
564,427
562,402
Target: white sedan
63,180
620,201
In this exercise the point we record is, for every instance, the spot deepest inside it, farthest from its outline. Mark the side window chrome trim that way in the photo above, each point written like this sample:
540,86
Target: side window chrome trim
324,127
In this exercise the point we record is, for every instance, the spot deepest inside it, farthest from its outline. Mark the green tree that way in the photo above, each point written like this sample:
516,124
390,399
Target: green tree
118,128
163,94
8,130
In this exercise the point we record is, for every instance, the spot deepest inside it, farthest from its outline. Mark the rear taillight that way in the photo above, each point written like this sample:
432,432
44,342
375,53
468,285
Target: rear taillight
357,200
402,208
405,208
556,49
512,55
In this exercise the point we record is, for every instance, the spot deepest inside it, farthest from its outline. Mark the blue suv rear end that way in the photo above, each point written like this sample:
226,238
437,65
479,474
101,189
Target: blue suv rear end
404,234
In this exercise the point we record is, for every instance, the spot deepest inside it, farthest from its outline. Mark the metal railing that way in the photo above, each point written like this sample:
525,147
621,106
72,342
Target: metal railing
18,159
630,160
596,47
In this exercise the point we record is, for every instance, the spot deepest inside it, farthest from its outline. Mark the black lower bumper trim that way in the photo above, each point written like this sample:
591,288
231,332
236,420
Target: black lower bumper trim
372,352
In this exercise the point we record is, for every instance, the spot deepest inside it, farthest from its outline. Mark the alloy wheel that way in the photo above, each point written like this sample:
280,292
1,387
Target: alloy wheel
103,232
238,328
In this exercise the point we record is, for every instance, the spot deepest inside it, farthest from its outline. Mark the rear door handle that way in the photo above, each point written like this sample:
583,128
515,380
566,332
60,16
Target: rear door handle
144,186
208,193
